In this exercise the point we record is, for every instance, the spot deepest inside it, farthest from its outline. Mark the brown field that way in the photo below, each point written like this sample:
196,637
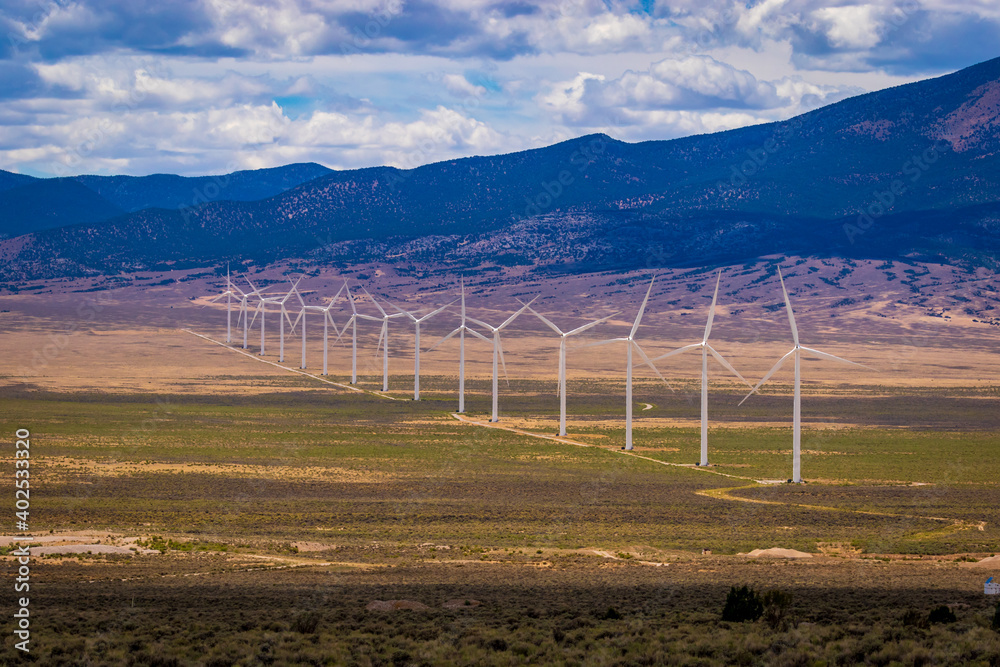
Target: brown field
284,506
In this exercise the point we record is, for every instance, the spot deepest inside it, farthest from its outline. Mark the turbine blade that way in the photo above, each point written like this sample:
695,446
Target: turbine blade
300,316
435,312
458,330
350,299
590,325
600,342
788,305
374,301
336,296
677,351
544,319
502,362
477,334
649,363
514,316
642,309
830,357
774,369
481,323
329,317
722,360
711,311
344,330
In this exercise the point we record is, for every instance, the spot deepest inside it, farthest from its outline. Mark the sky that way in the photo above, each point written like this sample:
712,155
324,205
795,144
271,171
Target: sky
212,86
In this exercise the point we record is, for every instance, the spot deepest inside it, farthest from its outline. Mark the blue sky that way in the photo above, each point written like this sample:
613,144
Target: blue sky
209,86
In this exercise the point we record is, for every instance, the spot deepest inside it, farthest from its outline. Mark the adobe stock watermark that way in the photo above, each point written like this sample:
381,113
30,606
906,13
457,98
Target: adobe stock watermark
882,201
22,582
378,20
757,158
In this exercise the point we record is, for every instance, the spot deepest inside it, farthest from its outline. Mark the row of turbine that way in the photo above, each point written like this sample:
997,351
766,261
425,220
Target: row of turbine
263,300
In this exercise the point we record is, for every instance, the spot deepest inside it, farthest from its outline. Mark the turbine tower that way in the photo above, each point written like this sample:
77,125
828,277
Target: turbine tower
327,321
231,291
563,335
706,349
383,337
797,352
498,354
247,323
417,321
353,323
630,344
461,331
277,301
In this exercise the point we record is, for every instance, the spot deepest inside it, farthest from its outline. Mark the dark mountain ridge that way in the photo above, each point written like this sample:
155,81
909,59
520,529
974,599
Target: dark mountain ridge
908,171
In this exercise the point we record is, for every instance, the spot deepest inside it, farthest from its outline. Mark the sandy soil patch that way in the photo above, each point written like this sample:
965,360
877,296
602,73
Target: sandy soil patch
991,563
56,464
777,552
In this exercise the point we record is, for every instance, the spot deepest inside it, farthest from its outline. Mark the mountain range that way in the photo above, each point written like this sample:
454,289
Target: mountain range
911,172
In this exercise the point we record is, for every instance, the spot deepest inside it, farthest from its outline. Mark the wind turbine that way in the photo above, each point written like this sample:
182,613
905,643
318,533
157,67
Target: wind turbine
383,337
417,321
498,353
563,335
353,323
797,404
229,294
277,301
630,344
461,331
706,349
327,321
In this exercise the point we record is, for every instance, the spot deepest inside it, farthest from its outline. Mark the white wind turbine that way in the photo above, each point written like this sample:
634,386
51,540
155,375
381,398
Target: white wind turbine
277,301
417,321
498,353
461,331
563,335
231,291
797,352
383,337
630,345
353,323
706,349
327,321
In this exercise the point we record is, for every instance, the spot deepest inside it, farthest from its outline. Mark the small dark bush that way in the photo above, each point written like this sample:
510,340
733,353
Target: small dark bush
942,614
996,618
611,614
306,622
775,608
913,618
742,604
497,644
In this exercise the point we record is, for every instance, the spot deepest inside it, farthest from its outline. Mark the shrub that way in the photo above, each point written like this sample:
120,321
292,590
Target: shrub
742,604
942,614
775,607
913,618
611,614
996,618
306,622
497,644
